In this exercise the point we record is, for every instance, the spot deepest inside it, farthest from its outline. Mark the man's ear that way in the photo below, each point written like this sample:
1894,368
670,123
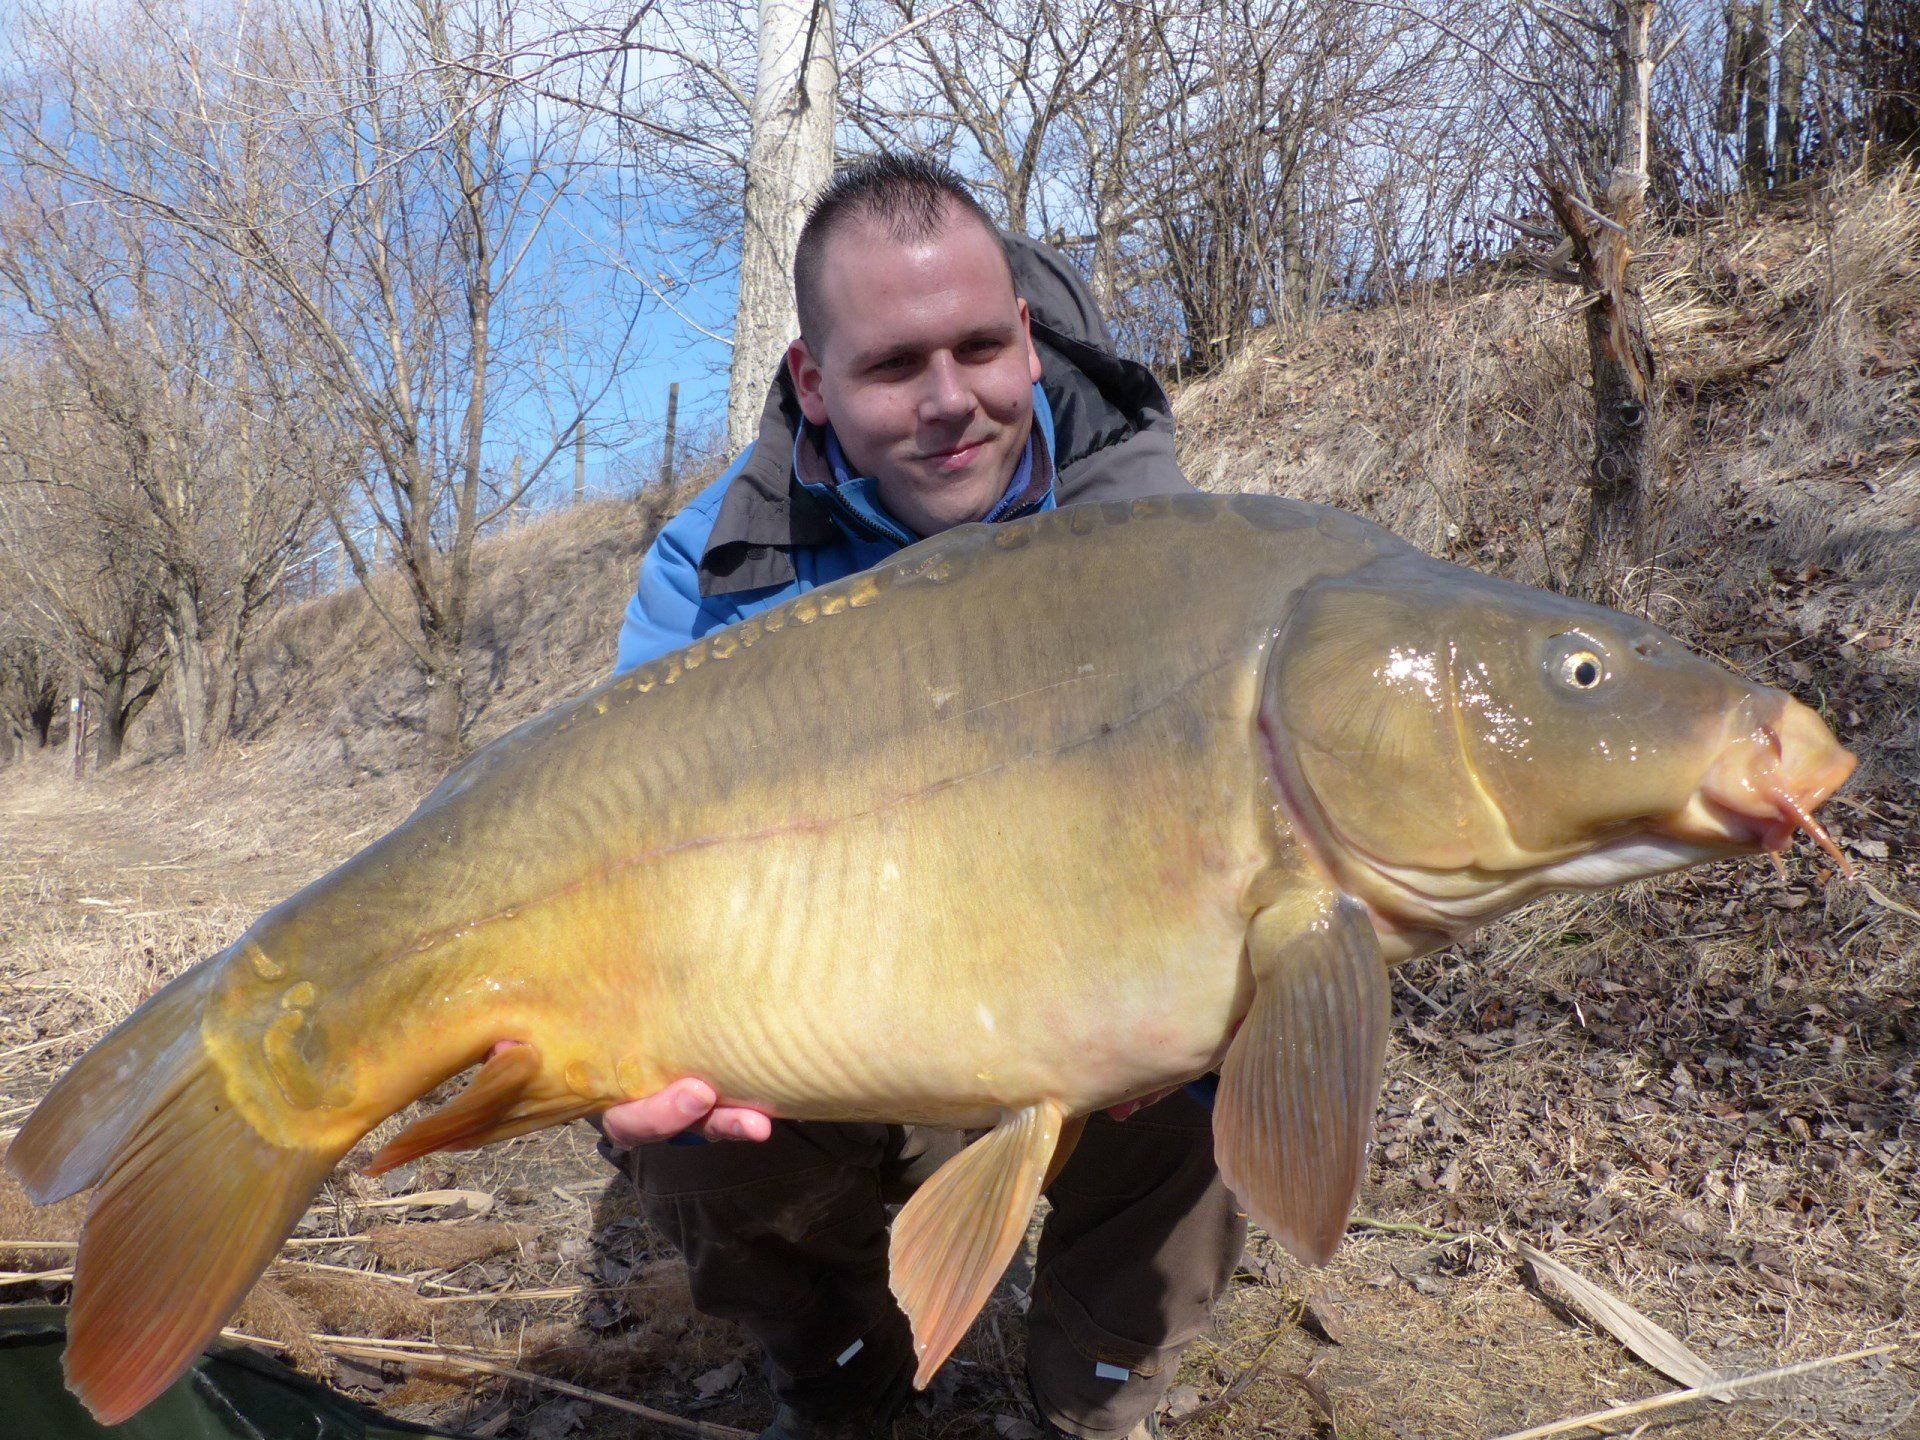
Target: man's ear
804,371
1026,335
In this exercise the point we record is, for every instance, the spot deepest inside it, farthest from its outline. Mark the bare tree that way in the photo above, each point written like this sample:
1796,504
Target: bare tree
1596,137
390,192
227,484
79,575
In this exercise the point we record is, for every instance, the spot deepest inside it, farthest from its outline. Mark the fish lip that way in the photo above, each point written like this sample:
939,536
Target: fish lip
1765,784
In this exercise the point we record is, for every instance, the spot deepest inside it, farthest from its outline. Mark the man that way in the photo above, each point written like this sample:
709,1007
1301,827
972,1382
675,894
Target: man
925,391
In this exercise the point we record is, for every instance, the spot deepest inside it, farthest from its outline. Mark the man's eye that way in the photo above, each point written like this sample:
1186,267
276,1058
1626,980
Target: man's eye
981,349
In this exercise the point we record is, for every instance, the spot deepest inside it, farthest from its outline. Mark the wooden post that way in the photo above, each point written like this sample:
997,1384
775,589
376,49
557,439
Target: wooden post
580,462
513,489
77,729
673,424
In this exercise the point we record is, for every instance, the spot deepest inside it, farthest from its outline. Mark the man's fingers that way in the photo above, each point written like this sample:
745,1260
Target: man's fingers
660,1116
666,1113
730,1122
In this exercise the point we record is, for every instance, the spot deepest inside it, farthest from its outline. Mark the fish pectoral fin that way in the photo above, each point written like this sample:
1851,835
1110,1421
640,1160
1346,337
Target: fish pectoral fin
1063,1148
505,1099
955,1236
1302,1076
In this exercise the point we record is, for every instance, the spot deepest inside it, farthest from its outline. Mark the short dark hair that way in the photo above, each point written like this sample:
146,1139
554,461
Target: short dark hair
911,195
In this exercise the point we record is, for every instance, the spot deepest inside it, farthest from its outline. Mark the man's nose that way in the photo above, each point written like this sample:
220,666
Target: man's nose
946,395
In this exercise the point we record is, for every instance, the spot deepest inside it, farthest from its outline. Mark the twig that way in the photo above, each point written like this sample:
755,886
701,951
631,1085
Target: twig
1404,1227
1724,1390
454,1292
64,1245
1593,214
886,40
1526,227
552,1292
1238,1387
1887,902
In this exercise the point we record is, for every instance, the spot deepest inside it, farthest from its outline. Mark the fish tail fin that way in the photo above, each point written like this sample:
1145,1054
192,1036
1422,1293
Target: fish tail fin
84,1120
192,1202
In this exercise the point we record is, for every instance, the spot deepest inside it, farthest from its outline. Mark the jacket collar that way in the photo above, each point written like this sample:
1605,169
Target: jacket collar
1094,400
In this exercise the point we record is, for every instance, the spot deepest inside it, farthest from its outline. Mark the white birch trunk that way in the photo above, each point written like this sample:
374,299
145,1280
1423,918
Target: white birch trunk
789,161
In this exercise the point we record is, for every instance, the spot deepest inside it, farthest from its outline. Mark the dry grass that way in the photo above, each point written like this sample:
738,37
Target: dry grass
1700,1093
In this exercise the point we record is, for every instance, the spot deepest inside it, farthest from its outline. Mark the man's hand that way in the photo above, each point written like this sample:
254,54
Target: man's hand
681,1106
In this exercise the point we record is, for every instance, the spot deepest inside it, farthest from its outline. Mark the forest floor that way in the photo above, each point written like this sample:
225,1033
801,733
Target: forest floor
1734,1159
1699,1093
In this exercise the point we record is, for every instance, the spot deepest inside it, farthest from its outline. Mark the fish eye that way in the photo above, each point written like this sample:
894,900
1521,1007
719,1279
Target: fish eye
1582,669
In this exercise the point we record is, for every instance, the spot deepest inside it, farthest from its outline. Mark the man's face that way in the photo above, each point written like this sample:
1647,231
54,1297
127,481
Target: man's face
926,368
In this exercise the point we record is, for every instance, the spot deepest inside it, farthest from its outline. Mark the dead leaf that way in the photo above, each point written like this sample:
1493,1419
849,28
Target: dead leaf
720,1380
1658,1347
1323,1313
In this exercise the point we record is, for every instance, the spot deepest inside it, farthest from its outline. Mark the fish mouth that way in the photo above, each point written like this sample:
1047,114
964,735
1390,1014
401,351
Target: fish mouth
1763,787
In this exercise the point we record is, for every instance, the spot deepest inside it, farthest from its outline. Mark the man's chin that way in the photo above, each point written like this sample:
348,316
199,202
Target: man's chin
947,498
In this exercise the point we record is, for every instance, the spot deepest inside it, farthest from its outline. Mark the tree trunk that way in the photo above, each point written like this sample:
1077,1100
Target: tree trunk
789,162
1602,238
1795,25
1890,45
1733,69
111,737
40,713
1758,73
446,690
192,672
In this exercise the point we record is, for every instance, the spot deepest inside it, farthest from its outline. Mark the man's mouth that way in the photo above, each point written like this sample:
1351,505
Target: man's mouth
957,458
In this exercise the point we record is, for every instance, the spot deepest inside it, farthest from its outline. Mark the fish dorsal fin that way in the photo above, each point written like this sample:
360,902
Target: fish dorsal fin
955,1236
1302,1077
503,1100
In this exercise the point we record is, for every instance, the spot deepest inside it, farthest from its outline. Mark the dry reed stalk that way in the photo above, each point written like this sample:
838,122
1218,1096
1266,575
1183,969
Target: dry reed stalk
435,1355
22,1277
1725,1390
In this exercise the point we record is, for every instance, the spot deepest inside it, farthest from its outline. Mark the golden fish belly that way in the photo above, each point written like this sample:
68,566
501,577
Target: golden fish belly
1065,924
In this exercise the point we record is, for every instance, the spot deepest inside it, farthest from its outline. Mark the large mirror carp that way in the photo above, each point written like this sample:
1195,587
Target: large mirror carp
1032,821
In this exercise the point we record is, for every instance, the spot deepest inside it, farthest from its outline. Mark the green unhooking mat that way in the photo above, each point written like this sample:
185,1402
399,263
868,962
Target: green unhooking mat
231,1393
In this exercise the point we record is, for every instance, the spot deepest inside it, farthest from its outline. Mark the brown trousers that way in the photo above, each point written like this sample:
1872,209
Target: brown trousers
789,1238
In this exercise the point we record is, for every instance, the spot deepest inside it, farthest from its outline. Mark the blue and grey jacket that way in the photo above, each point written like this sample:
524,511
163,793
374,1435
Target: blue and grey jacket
788,515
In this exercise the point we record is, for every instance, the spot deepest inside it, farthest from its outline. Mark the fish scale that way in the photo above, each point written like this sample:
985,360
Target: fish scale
1034,820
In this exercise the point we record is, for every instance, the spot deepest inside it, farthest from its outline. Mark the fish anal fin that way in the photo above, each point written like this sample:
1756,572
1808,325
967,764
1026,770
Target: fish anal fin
955,1236
505,1099
1302,1077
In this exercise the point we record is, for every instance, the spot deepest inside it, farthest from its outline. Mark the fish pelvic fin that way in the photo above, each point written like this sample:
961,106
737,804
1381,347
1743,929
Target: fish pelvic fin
192,1202
510,1096
955,1236
1303,1074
